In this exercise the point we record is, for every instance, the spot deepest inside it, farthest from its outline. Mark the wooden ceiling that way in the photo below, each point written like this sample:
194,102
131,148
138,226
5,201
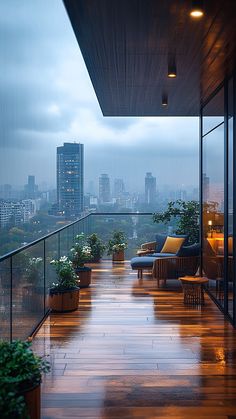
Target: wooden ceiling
126,45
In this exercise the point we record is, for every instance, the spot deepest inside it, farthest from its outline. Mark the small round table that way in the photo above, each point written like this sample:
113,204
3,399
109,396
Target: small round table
193,289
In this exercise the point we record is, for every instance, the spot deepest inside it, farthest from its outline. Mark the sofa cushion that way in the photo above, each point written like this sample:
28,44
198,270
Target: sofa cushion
160,255
173,244
142,262
160,239
192,250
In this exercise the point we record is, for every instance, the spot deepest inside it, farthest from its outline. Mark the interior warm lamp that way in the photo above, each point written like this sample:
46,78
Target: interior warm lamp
197,10
164,100
210,223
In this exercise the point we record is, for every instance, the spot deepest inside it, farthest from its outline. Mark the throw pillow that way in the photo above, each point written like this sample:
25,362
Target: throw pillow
172,244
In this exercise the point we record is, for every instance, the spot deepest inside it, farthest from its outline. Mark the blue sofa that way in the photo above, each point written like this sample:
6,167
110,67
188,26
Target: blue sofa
146,260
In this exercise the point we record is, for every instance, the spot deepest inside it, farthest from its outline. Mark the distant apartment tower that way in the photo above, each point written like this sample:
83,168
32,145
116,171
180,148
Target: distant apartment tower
150,188
104,188
206,187
70,179
31,189
119,188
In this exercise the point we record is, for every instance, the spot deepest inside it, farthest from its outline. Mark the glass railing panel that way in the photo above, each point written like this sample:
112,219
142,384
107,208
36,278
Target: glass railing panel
63,237
51,252
138,229
27,290
5,299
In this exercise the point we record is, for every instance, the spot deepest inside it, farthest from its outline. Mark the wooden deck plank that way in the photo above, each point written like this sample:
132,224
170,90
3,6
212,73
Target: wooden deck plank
135,351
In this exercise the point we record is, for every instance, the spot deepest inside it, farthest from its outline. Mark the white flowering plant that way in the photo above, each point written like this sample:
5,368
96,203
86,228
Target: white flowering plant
116,243
67,278
80,252
34,271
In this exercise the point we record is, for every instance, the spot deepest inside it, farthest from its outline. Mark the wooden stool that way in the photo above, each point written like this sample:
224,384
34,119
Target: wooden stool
193,289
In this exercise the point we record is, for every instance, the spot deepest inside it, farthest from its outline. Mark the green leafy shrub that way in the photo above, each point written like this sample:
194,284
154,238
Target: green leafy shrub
187,215
117,242
20,370
67,278
80,252
96,245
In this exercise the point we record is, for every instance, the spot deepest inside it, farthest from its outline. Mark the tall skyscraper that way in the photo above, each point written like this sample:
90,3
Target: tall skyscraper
119,188
206,187
70,179
104,188
150,188
31,189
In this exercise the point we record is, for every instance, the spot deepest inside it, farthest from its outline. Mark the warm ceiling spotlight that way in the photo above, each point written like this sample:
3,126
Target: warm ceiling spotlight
164,100
197,10
172,73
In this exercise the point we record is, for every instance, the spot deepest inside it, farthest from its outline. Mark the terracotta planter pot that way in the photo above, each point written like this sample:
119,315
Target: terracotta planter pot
32,400
118,256
64,300
84,275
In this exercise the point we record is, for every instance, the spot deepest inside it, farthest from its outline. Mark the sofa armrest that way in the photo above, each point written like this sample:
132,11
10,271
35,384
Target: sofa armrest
148,246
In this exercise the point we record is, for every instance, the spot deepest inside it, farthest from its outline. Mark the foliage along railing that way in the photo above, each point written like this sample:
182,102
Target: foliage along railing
26,273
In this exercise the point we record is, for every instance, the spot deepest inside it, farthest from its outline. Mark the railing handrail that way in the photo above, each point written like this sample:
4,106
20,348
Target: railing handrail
25,247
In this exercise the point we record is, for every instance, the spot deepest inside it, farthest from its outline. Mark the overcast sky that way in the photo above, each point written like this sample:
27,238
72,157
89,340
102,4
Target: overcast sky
46,98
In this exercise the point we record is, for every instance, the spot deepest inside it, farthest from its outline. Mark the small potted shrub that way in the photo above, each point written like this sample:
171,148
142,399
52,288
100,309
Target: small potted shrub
20,377
64,294
116,246
81,253
33,292
97,247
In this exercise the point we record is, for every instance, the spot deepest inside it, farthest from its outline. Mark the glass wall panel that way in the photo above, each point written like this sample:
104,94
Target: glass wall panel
213,211
231,276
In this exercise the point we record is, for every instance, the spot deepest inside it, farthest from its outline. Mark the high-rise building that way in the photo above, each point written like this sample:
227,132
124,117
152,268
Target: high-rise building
119,188
104,188
70,179
150,188
31,189
206,187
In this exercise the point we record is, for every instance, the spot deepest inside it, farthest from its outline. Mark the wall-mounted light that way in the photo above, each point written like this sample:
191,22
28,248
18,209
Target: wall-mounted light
164,100
197,10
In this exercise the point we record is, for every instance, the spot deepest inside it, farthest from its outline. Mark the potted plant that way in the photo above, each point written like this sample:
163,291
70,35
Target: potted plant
20,377
64,294
116,246
97,247
33,292
81,253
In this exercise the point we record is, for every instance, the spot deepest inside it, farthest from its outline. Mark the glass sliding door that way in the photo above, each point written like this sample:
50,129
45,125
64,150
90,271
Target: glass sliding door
231,275
213,195
219,197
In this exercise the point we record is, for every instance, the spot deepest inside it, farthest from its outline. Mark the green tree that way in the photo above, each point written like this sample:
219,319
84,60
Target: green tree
186,213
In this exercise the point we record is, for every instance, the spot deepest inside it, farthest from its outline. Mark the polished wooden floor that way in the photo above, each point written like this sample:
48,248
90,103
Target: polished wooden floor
132,351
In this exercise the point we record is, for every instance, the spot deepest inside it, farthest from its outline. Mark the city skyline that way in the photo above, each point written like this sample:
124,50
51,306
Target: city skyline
53,100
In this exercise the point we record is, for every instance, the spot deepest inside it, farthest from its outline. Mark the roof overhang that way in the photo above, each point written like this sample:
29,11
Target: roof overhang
126,45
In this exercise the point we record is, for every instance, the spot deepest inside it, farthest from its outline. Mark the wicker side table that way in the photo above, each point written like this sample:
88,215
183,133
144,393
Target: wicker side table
193,289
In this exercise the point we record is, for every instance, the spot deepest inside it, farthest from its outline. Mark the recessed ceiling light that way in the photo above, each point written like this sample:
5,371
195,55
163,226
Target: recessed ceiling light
197,10
164,100
172,73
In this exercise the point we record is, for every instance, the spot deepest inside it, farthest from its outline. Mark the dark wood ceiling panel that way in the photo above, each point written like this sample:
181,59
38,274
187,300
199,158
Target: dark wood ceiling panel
126,45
